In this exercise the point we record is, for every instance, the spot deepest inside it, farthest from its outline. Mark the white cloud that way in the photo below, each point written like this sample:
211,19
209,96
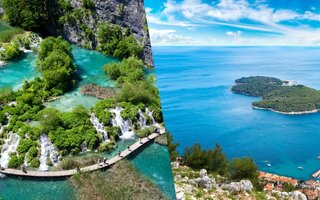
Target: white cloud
168,37
232,13
236,35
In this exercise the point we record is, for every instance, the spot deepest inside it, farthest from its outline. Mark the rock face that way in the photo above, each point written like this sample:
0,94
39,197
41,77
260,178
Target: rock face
296,195
237,187
126,13
204,181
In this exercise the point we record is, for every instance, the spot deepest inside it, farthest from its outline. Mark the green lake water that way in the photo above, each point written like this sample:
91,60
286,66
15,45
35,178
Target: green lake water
152,162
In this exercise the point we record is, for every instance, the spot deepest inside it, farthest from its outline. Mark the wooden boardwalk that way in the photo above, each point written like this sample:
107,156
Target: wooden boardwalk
66,173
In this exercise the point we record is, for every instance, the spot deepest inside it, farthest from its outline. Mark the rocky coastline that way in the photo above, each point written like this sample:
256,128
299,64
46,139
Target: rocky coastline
287,113
98,91
194,185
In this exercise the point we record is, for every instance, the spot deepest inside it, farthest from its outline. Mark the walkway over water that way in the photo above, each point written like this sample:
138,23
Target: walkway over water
98,166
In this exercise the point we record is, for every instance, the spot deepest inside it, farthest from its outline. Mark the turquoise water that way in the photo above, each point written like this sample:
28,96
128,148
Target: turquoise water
90,70
13,74
199,107
153,162
35,189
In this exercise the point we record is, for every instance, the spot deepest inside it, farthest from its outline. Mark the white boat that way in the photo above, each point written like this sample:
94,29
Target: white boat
300,168
269,165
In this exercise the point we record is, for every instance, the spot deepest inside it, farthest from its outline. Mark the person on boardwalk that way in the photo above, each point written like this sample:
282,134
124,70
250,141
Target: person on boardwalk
78,169
119,154
24,169
129,148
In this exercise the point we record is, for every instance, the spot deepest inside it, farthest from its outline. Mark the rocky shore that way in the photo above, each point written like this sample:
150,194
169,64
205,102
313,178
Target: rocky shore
194,185
288,113
98,91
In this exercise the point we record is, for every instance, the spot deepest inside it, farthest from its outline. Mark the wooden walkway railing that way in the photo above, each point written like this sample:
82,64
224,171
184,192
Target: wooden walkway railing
66,173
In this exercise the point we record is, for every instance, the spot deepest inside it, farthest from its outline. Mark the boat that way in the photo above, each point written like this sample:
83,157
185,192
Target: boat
318,157
300,168
269,165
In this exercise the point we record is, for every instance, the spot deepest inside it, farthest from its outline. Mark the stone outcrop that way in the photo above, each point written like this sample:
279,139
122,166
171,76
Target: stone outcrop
125,13
237,187
128,14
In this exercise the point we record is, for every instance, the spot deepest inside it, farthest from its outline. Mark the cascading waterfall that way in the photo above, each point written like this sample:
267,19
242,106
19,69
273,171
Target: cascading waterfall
10,146
150,114
124,125
142,119
99,127
47,151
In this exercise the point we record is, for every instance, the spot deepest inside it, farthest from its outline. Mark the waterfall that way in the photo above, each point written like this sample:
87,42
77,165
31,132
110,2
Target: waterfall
142,119
47,151
150,114
10,146
124,125
99,127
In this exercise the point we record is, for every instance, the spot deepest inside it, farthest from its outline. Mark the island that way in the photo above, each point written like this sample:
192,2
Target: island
285,97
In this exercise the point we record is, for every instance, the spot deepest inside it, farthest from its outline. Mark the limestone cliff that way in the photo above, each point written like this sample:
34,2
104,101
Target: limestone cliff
129,14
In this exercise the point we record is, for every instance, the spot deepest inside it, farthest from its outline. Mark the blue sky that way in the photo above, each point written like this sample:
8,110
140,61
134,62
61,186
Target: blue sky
234,22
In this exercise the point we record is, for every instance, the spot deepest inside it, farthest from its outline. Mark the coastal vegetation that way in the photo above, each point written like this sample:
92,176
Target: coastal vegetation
278,95
122,181
114,41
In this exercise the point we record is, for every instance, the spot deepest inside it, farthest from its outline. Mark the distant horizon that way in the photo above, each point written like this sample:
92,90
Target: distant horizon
234,22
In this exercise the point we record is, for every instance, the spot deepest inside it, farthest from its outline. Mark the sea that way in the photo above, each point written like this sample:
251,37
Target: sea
199,107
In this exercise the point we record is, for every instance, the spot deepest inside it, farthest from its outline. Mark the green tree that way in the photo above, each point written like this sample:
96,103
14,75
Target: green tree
172,147
244,168
29,15
217,160
195,157
49,119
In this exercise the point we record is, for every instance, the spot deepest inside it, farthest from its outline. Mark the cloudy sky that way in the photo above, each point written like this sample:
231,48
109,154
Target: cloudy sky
234,22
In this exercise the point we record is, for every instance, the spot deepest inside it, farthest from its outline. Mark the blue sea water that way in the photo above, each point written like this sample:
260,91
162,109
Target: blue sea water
199,107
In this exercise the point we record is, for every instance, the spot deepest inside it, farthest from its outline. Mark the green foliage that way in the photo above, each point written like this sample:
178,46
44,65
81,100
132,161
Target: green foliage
138,92
88,4
77,117
3,117
244,168
107,146
288,187
256,85
101,110
212,160
129,70
7,35
172,147
24,145
11,51
35,163
127,47
114,42
129,111
296,98
65,5
145,131
15,161
29,15
51,44
49,119
55,62
32,153
6,95
113,132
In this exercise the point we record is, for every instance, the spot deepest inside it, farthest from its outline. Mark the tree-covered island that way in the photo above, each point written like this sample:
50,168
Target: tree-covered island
279,96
